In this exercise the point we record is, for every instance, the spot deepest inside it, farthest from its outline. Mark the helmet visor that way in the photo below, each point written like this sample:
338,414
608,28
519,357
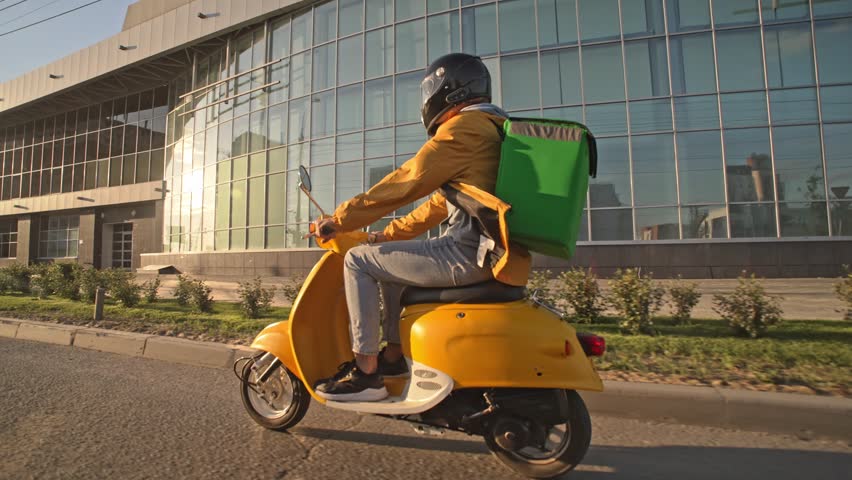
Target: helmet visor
430,85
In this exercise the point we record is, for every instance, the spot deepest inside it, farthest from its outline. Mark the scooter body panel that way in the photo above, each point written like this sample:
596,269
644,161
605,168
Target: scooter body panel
275,339
514,344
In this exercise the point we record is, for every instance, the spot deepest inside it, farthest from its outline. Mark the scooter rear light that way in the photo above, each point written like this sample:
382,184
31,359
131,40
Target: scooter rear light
593,345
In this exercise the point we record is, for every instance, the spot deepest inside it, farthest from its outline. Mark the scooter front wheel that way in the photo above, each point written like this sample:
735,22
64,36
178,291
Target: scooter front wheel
279,402
563,448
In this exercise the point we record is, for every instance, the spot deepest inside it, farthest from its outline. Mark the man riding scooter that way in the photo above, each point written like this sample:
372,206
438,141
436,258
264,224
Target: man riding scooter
464,148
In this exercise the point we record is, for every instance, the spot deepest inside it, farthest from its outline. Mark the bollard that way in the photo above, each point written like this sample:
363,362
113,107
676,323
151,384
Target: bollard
100,292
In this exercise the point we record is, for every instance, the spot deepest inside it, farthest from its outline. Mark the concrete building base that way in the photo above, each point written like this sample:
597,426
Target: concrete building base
770,259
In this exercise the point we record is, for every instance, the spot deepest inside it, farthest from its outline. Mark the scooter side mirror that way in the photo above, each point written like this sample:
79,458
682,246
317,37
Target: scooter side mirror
304,179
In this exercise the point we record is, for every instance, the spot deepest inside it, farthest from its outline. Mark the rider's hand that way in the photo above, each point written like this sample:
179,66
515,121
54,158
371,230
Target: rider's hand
376,237
325,229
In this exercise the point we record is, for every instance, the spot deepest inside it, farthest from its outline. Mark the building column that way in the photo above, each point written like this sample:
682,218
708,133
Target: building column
27,239
88,239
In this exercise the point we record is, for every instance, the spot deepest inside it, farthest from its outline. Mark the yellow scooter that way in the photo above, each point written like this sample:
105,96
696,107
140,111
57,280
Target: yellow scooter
484,360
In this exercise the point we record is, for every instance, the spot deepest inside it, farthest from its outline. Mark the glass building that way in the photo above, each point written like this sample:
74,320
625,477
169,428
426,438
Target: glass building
717,121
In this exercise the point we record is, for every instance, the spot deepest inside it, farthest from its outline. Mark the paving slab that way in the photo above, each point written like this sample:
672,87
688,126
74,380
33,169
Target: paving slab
47,333
178,350
112,341
8,329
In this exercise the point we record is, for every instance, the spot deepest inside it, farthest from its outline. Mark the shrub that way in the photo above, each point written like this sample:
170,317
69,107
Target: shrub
843,288
578,288
683,297
39,281
122,287
183,291
150,288
200,298
540,282
254,299
15,278
748,310
90,280
290,289
63,279
636,298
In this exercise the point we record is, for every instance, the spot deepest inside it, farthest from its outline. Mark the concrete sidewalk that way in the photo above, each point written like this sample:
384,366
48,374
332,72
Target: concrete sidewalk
800,415
804,298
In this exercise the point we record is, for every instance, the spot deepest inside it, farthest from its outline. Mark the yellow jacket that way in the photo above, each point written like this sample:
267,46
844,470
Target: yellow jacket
463,155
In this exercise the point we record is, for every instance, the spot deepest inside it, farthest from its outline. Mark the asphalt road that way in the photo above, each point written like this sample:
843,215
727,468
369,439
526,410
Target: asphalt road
72,413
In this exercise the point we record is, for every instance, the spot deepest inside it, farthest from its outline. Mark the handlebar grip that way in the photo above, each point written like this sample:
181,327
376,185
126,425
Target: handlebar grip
326,230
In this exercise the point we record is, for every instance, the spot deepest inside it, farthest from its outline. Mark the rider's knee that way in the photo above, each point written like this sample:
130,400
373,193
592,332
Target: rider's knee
354,257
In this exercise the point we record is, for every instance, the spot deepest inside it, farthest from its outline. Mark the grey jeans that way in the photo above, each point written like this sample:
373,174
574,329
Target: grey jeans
390,267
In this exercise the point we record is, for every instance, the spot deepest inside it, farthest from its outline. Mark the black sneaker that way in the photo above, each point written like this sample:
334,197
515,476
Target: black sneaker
396,369
350,384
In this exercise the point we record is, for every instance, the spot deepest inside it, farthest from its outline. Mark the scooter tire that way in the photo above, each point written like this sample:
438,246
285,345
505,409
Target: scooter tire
580,427
296,412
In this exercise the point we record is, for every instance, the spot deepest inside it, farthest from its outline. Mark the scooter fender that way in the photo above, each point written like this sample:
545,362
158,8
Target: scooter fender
275,339
514,344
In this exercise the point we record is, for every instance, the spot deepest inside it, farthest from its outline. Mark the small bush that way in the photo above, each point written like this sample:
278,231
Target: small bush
150,288
183,291
254,299
748,310
200,298
636,298
843,288
539,281
291,288
578,288
683,297
39,282
63,280
122,287
15,278
90,280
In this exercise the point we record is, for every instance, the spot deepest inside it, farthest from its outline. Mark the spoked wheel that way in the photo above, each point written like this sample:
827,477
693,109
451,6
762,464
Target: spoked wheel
279,402
551,450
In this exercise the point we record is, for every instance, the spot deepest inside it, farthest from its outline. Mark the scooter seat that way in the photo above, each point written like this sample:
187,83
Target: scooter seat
485,292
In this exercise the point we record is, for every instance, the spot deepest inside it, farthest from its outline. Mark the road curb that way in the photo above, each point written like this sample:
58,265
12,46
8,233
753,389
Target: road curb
801,415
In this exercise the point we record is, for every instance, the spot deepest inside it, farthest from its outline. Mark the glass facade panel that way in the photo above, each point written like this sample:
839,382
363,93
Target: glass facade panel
410,45
607,119
838,7
611,187
379,48
603,73
696,113
654,170
611,224
789,56
650,116
836,103
479,30
740,61
379,13
642,19
803,219
775,11
564,65
444,34
744,109
599,20
692,66
351,18
408,97
793,106
838,160
798,164
832,50
657,224
688,15
728,13
647,70
748,165
704,221
517,25
700,167
557,22
520,77
754,220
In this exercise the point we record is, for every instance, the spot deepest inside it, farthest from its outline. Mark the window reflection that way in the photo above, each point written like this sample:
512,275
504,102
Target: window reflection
611,224
378,143
700,167
557,22
692,63
836,103
324,67
735,12
838,159
793,106
603,73
752,220
443,34
654,170
611,187
748,165
348,181
832,49
841,219
657,224
695,113
607,119
379,56
322,114
517,25
789,56
803,219
739,59
650,116
479,30
410,45
642,18
599,20
520,79
351,16
647,72
408,97
378,103
704,221
798,163
744,109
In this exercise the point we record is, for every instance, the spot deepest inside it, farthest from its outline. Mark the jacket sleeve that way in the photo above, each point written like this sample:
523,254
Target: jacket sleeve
440,160
420,220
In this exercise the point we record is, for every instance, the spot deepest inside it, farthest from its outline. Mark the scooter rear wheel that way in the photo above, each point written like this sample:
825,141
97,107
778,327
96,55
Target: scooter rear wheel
565,447
278,403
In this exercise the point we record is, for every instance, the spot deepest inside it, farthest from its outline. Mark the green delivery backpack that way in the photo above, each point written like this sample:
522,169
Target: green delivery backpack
544,173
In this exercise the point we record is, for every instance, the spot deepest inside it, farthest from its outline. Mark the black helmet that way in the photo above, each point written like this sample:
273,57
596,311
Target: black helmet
451,80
